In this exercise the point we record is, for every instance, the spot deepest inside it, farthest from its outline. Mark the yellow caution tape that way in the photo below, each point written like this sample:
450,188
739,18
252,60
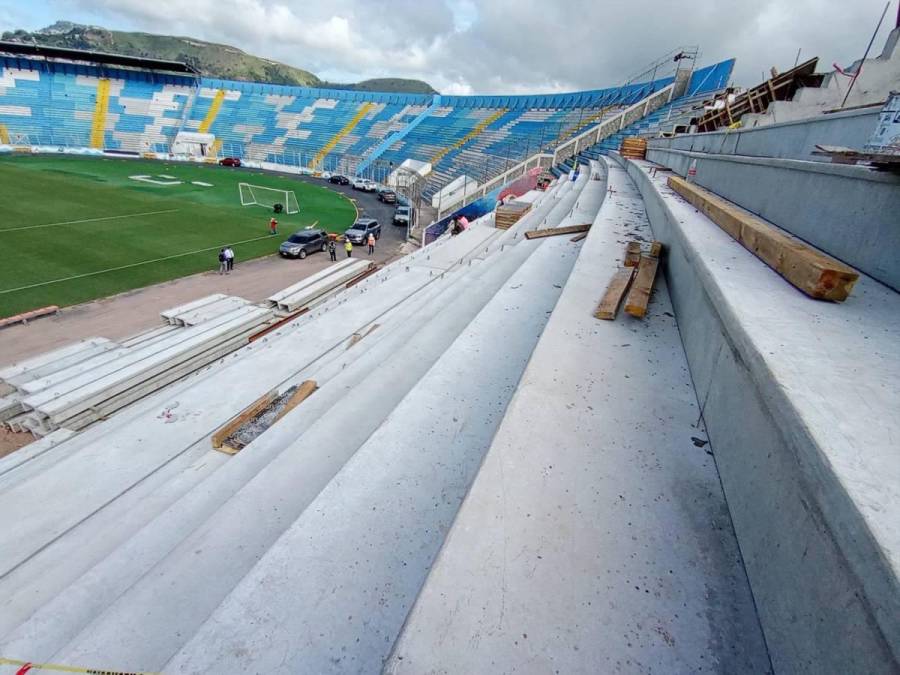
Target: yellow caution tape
27,666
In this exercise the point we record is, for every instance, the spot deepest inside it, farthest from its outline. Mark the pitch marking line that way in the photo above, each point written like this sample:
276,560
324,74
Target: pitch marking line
125,267
87,220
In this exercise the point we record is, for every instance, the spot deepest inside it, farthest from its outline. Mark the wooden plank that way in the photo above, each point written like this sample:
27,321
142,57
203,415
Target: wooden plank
240,419
555,231
632,254
579,237
656,249
639,295
25,317
816,274
303,392
356,337
612,298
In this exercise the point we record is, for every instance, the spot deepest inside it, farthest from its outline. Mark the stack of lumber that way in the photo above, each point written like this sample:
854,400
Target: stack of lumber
81,383
809,270
633,147
509,214
319,286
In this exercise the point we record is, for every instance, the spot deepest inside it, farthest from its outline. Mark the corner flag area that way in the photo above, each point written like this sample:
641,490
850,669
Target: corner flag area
76,228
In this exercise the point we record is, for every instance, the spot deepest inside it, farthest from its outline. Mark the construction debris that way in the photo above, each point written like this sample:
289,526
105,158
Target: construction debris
842,155
579,237
615,291
555,231
25,317
509,214
632,254
633,147
639,295
809,270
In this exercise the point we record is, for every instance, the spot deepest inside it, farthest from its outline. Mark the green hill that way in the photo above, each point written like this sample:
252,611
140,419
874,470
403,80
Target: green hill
213,60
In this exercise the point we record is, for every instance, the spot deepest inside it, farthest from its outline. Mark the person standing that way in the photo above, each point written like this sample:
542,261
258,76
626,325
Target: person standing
223,262
273,225
332,250
371,242
229,260
348,247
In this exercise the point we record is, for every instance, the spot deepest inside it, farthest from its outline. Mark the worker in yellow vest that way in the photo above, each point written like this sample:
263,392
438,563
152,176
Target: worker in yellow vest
348,246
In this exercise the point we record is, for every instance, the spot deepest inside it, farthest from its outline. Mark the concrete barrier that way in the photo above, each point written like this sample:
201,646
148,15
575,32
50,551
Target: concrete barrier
804,439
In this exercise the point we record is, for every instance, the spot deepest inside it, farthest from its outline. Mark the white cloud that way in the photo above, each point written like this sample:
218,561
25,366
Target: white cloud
498,46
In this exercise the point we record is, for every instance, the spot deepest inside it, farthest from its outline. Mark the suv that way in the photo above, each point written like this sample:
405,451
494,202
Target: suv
338,179
401,215
387,196
361,230
301,243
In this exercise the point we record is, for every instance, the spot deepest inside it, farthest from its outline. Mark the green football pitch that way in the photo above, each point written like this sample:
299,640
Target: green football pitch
74,229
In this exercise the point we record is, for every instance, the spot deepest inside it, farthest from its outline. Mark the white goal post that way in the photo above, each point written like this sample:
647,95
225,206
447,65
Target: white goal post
257,195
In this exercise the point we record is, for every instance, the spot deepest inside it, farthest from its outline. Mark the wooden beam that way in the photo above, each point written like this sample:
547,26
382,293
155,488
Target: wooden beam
248,413
806,268
639,295
632,254
656,249
579,237
612,298
554,231
303,392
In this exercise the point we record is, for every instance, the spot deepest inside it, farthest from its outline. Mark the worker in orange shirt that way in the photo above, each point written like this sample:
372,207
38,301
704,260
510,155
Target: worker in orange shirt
371,242
273,226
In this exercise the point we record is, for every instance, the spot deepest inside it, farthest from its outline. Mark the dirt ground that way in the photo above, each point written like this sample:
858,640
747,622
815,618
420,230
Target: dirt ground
10,441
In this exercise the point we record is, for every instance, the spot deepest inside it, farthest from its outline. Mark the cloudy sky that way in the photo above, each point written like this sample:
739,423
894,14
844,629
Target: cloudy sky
493,46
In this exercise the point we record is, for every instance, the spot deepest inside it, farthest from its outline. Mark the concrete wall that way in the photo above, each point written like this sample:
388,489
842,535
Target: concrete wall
788,140
850,212
825,597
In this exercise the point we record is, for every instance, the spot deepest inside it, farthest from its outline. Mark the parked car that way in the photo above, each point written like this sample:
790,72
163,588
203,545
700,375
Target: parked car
230,161
402,215
359,232
338,179
302,243
387,196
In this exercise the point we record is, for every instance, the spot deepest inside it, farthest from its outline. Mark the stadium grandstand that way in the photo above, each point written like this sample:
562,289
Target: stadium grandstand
628,406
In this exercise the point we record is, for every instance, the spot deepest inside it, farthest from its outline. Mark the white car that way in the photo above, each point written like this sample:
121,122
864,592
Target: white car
360,184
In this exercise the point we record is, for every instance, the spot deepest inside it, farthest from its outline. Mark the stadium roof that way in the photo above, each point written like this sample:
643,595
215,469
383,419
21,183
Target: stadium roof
23,49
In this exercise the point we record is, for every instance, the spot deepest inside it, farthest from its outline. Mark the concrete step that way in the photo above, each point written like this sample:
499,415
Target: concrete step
284,486
377,541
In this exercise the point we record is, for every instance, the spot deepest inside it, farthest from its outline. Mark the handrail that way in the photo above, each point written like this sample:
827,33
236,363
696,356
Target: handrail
584,140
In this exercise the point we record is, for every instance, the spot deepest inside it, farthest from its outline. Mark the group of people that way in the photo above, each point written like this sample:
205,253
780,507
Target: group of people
226,260
348,247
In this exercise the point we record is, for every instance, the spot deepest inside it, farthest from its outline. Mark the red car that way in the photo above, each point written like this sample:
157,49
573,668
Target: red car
230,161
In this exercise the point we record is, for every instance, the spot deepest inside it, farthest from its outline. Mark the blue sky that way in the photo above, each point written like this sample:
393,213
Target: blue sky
492,46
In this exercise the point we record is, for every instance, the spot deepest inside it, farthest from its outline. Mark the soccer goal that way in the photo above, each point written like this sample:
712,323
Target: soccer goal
257,195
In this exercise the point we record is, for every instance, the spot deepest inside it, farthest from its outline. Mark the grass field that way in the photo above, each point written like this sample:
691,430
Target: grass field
74,229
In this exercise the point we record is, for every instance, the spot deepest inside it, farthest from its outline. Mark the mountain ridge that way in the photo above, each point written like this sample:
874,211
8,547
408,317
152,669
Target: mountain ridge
212,59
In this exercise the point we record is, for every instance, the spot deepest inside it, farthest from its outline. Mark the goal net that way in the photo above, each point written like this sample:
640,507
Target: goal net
257,195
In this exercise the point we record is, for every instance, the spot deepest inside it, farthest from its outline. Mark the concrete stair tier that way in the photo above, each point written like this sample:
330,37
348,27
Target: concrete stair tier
596,531
487,478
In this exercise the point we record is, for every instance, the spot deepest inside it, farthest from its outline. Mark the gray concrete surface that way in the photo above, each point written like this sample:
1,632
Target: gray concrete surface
595,538
786,140
800,400
850,212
